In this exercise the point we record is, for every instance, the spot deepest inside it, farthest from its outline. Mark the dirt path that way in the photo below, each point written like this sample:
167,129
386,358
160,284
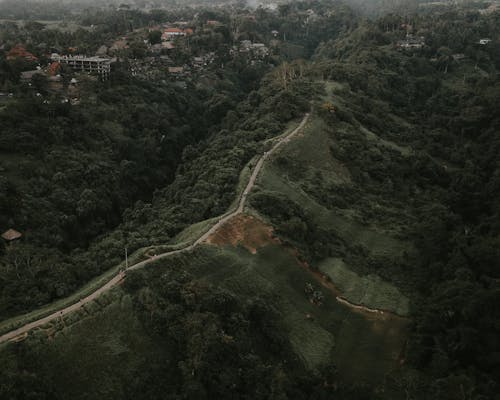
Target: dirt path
118,278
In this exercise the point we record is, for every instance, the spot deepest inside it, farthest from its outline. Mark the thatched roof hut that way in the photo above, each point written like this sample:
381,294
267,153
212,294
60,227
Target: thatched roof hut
11,235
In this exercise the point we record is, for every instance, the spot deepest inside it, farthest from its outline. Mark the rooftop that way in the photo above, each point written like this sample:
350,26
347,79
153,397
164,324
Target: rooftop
11,234
57,57
173,30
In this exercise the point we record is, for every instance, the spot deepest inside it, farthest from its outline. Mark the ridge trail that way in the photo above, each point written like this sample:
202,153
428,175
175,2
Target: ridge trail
121,275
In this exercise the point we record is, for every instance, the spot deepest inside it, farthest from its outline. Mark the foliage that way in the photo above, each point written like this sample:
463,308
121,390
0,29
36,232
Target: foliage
398,175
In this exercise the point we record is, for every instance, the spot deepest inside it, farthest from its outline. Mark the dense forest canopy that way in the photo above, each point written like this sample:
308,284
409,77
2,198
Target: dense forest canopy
404,108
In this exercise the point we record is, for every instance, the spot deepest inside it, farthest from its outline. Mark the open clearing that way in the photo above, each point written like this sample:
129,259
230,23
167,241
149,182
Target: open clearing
368,290
40,317
245,230
249,260
361,345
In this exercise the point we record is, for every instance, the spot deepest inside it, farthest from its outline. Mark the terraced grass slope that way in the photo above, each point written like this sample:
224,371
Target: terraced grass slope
309,161
333,193
368,290
364,347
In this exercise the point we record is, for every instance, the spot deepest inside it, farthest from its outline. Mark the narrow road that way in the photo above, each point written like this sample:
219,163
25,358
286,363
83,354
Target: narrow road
118,278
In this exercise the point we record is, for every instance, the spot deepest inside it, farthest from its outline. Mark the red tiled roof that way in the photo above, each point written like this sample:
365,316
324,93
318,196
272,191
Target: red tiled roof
20,52
54,68
173,30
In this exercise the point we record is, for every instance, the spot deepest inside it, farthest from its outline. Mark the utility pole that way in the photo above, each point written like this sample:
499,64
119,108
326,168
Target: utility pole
126,258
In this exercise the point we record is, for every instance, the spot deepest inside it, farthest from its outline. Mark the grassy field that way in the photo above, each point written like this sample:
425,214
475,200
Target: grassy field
109,345
368,290
108,342
389,144
375,240
374,345
193,232
363,347
184,238
13,323
375,228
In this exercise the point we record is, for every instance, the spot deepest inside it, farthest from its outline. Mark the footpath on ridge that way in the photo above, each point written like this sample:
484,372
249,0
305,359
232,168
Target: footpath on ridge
23,330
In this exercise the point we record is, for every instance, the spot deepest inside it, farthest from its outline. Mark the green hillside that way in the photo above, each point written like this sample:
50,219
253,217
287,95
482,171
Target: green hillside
366,262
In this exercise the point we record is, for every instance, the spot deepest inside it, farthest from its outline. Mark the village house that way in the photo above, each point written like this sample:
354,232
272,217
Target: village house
245,45
172,33
54,68
198,61
411,42
484,41
165,60
18,52
176,70
11,235
98,65
260,49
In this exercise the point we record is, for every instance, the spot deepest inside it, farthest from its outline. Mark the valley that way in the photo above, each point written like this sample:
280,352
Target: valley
249,200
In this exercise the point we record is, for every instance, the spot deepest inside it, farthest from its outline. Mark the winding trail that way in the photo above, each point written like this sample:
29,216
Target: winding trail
23,330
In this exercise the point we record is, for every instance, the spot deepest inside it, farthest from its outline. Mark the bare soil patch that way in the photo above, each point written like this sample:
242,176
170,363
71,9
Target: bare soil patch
245,230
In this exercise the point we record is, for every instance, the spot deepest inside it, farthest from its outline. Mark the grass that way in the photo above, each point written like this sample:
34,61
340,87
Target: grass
110,346
290,126
193,232
316,341
373,346
183,239
114,340
338,95
369,290
310,156
311,151
14,323
403,150
375,240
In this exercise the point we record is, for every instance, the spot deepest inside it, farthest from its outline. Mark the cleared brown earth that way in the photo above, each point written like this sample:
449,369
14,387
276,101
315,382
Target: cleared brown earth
203,238
245,230
251,233
368,342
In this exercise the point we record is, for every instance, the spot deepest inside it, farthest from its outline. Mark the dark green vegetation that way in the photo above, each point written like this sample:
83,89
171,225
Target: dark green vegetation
391,190
68,174
72,174
178,330
448,184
